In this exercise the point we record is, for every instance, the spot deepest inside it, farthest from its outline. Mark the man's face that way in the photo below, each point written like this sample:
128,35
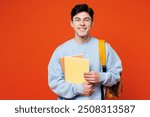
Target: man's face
82,23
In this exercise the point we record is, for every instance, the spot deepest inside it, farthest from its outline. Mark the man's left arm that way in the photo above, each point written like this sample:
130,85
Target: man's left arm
114,68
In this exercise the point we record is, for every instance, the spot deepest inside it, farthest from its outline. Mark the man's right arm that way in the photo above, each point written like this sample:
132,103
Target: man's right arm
58,84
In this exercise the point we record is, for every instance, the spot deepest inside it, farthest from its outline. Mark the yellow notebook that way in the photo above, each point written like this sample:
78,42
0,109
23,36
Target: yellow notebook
61,60
74,68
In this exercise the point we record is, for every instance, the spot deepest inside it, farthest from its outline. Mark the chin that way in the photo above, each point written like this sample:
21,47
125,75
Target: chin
83,35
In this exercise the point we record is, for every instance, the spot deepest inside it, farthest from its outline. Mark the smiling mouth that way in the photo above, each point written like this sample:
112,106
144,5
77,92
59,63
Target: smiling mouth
82,29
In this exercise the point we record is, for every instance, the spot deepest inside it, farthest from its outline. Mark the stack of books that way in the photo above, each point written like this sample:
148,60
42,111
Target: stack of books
74,68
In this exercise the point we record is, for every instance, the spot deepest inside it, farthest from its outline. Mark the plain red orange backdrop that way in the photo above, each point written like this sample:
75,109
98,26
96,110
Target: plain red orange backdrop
31,30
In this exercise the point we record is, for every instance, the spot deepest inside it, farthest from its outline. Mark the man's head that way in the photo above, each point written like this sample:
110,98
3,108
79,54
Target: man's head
82,20
82,8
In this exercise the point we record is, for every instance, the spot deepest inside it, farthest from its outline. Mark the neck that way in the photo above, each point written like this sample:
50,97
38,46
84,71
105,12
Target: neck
82,40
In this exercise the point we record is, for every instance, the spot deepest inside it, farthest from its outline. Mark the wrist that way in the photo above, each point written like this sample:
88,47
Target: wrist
79,89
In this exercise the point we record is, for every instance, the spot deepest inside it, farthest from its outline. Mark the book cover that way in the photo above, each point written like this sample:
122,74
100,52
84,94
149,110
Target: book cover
74,68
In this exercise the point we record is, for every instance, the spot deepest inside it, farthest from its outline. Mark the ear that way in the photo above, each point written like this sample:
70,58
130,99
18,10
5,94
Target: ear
71,23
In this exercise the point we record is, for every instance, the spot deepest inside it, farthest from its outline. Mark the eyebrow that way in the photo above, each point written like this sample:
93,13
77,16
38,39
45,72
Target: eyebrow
87,18
80,18
76,18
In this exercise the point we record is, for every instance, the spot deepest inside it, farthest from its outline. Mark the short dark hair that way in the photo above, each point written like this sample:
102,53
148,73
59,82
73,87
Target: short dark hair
80,8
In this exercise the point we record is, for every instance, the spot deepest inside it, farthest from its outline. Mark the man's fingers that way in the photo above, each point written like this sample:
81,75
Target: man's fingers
90,79
88,75
89,92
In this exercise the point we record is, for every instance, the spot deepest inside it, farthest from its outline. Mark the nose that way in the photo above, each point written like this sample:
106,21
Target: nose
82,23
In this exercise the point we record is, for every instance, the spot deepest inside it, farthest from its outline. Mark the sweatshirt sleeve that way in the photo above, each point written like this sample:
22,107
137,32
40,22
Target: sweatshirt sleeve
114,68
56,79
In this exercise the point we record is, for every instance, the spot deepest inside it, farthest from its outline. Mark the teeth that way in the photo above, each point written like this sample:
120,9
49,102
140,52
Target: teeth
82,29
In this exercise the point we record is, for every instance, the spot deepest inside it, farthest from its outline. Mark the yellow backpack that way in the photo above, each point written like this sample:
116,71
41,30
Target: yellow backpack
111,92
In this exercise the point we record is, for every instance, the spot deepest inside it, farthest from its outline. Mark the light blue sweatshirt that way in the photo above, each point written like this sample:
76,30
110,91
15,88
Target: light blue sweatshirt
90,50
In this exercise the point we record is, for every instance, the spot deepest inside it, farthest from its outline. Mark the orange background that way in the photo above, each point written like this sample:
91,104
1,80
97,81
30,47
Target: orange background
30,30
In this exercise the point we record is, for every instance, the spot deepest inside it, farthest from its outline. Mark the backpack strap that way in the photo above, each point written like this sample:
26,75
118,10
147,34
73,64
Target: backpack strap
102,52
102,57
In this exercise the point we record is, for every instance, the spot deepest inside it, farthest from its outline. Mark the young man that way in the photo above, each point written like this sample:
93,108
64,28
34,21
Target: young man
83,43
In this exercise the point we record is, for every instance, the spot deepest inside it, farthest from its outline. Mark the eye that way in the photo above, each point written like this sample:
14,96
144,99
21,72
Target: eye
87,19
77,19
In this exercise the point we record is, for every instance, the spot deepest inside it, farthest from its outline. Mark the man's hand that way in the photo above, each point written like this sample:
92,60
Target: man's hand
87,89
92,77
